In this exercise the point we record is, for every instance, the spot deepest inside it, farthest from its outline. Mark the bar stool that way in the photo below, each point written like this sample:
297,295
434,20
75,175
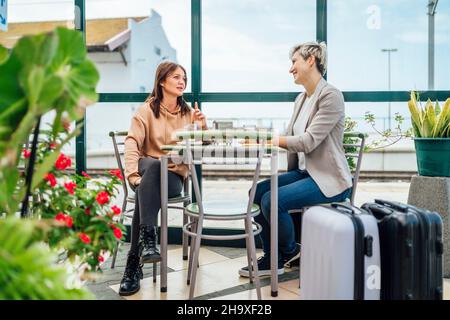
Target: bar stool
201,211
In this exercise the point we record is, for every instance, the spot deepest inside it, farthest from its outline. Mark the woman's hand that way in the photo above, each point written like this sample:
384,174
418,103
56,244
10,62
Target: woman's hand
199,117
279,141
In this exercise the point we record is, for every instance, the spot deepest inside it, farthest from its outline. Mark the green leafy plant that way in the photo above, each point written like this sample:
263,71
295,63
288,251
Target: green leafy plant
387,137
43,72
27,267
350,126
431,121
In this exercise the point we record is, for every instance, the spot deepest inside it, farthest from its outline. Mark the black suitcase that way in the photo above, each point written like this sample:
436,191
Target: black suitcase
411,251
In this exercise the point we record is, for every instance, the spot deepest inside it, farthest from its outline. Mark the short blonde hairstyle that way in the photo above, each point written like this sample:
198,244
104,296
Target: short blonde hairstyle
312,48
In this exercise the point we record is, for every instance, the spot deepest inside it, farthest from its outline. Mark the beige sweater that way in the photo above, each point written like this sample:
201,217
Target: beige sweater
146,136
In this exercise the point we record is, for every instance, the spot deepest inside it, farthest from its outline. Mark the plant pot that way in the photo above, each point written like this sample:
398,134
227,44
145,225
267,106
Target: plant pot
433,156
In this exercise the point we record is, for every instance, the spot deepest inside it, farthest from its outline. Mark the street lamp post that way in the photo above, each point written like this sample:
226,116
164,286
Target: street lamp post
431,13
389,79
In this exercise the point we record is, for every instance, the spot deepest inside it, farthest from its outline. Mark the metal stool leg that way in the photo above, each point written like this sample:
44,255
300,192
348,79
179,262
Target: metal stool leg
196,245
154,272
191,252
249,254
164,228
116,249
185,236
252,249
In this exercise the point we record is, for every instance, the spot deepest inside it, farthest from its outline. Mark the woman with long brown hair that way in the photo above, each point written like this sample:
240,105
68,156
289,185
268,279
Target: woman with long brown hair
152,126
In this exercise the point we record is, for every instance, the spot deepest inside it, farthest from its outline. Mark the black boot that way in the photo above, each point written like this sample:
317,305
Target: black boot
147,244
130,283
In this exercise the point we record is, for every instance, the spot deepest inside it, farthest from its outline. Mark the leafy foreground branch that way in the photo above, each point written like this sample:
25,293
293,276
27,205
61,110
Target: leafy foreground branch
43,73
28,270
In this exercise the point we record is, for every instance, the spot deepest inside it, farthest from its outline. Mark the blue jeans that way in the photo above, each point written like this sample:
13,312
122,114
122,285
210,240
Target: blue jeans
296,189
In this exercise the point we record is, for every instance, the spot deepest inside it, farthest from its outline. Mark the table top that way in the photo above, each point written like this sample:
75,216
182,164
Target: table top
224,134
216,149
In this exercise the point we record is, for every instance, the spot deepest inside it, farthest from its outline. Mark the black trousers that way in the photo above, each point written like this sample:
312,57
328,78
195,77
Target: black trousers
148,196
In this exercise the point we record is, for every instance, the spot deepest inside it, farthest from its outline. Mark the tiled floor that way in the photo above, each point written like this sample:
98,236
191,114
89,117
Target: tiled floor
217,279
217,276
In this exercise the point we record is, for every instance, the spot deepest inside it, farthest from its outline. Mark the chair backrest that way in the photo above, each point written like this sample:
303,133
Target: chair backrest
221,125
354,148
118,139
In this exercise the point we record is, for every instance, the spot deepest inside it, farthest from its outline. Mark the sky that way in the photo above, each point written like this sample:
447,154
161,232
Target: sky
246,44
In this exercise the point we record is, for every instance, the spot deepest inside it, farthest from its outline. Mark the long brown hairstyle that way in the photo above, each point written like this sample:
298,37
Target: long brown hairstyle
154,99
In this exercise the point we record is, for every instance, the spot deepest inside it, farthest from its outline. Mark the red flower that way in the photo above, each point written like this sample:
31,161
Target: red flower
69,221
116,210
65,218
116,173
70,187
50,177
87,211
102,197
60,217
85,175
52,145
63,162
101,259
26,153
85,238
117,233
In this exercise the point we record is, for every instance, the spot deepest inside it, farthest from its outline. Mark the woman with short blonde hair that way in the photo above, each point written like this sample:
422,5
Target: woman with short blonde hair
317,168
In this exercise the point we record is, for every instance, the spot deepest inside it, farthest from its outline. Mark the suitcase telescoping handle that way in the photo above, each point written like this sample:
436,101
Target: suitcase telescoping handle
393,205
343,205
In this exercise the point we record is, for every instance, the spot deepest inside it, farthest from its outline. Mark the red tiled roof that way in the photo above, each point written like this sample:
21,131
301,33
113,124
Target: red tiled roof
99,32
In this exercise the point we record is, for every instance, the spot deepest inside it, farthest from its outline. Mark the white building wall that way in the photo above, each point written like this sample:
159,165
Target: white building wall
115,76
147,48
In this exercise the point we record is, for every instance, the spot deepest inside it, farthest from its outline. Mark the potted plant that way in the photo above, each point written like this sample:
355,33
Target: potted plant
431,127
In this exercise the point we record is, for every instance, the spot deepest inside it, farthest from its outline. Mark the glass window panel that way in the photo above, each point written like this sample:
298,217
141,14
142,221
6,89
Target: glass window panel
358,31
357,110
267,115
36,16
246,43
28,17
128,40
102,118
277,115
